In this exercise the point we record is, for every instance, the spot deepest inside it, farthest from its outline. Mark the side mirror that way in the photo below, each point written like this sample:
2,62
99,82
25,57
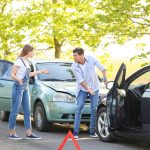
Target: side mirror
109,85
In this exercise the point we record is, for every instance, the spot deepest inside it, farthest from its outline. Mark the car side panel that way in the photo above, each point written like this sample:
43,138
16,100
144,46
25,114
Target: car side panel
6,94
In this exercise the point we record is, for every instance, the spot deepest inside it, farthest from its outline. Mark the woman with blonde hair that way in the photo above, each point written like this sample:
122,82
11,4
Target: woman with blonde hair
20,94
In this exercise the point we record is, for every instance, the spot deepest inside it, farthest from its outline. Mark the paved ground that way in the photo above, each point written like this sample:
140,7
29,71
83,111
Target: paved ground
51,140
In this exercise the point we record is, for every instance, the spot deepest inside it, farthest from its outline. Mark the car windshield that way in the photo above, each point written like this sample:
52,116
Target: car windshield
58,71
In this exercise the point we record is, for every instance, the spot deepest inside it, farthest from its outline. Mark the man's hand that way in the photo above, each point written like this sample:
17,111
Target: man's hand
89,90
105,82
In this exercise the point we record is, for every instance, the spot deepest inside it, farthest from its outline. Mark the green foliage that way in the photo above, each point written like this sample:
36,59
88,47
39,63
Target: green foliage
126,20
10,36
104,60
58,23
143,55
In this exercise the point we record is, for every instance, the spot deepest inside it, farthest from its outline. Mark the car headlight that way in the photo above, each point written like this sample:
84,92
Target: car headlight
63,97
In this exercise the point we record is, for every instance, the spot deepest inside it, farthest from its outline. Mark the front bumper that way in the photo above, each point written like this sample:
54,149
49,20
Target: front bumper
61,112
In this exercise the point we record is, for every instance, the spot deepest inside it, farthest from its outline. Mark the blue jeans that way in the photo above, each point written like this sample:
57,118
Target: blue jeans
20,95
80,104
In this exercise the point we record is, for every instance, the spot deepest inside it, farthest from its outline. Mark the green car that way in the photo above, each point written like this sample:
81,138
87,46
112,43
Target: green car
52,95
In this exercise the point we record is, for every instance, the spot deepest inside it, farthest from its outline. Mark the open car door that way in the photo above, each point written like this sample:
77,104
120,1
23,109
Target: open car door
115,100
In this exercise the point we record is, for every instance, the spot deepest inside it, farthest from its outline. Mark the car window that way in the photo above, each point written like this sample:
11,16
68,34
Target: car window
57,71
4,67
7,75
120,79
143,79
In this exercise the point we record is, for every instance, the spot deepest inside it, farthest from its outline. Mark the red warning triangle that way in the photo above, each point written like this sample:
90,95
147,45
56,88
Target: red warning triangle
69,135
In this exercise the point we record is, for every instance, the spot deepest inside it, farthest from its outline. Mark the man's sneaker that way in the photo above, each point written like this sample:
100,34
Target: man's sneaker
75,134
33,136
94,135
14,137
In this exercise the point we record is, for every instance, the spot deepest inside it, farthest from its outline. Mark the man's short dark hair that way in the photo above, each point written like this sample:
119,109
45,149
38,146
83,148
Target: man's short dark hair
78,50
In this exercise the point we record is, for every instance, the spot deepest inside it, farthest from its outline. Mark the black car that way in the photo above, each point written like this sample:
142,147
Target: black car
126,110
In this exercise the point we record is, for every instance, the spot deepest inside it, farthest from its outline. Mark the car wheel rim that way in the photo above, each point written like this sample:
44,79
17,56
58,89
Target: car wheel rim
103,125
1,114
38,117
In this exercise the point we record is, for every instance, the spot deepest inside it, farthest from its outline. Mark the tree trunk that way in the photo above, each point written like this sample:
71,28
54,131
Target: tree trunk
57,48
56,42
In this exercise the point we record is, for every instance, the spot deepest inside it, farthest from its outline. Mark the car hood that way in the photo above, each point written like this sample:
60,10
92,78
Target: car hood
68,87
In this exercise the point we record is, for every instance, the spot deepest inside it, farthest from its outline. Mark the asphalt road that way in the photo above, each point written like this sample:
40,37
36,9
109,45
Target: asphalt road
51,140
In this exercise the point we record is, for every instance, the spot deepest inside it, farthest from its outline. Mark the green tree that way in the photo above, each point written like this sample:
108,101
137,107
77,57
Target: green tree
125,20
143,55
10,36
58,23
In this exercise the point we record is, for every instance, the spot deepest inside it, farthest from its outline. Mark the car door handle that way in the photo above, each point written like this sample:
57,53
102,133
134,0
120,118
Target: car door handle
1,85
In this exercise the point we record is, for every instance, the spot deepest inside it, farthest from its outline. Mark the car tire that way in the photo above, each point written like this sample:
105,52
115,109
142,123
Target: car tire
102,126
4,115
40,119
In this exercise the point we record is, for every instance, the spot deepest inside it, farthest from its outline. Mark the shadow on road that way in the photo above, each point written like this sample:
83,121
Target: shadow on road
56,127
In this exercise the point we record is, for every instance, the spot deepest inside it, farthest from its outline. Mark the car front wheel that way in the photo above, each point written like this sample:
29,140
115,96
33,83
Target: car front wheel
4,115
102,126
40,119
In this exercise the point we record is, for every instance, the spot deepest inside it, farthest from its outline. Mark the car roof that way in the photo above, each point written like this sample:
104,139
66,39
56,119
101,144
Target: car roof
39,60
